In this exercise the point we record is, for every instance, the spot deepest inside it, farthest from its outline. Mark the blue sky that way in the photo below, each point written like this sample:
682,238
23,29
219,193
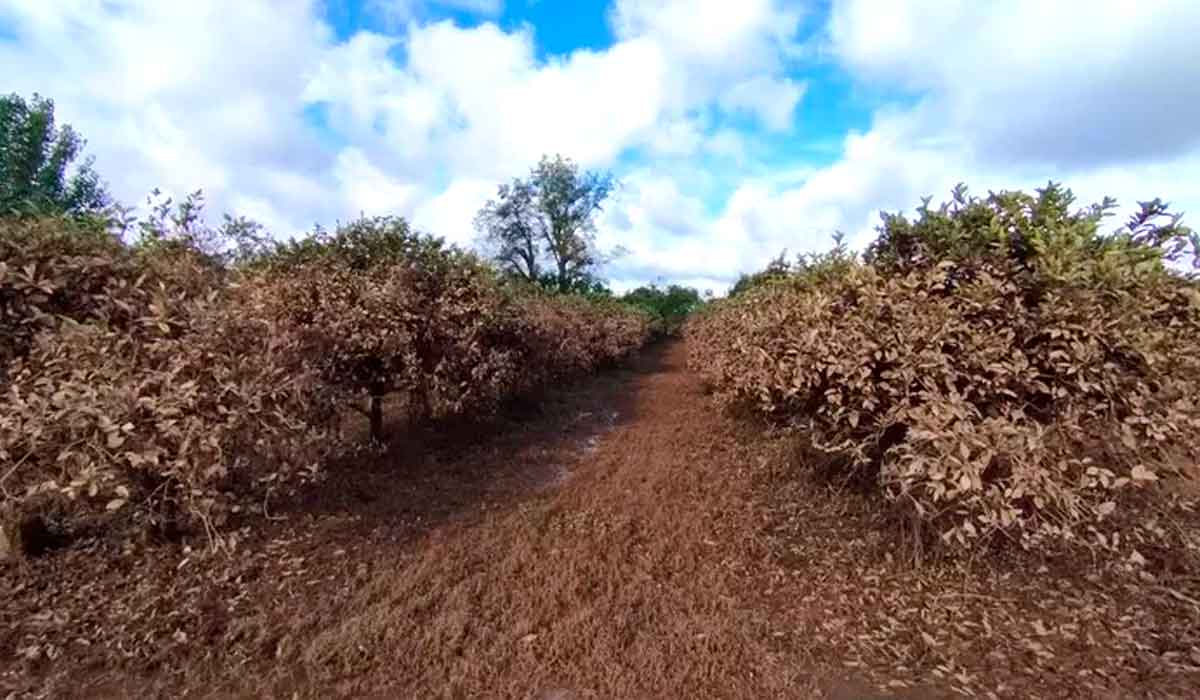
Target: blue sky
736,129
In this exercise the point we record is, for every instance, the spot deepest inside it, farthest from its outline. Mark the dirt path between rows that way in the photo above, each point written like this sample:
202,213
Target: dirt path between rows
619,580
593,551
622,539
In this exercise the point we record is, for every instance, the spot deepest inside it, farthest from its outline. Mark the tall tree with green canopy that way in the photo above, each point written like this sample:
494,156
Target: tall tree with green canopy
510,227
35,163
547,222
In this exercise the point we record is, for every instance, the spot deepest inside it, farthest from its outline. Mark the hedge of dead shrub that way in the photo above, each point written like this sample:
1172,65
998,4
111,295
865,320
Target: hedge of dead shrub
151,385
394,312
997,369
140,387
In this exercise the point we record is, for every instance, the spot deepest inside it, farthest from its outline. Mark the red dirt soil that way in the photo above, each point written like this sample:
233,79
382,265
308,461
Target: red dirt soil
622,540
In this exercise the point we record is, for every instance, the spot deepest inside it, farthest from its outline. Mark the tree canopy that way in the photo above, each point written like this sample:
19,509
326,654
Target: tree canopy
542,228
35,163
671,305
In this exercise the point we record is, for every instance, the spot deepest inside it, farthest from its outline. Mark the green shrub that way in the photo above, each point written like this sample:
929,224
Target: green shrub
669,306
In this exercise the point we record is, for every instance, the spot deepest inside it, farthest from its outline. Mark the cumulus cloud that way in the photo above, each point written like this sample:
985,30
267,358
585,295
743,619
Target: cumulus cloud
178,95
728,37
772,100
695,103
369,190
1103,96
734,53
476,101
450,213
477,104
1064,84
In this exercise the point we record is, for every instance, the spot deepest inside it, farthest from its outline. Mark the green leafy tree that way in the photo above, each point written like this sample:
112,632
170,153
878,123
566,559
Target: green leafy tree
671,305
510,226
35,163
545,224
583,285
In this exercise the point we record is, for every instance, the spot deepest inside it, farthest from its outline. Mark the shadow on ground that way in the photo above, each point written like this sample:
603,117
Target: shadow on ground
454,470
76,620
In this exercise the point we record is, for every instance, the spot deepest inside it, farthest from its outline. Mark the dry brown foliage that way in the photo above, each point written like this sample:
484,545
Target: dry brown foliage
151,385
984,393
134,396
452,342
628,542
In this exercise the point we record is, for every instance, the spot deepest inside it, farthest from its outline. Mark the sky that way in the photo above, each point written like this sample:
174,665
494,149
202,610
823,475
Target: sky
736,129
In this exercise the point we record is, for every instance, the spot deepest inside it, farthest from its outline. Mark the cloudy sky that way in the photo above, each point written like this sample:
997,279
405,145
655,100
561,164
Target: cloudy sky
736,127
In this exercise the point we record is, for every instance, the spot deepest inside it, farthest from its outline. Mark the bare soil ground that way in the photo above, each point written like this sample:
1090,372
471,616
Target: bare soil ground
623,539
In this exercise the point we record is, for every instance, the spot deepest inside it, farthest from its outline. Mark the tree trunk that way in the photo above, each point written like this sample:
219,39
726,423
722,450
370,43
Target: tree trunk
376,416
531,267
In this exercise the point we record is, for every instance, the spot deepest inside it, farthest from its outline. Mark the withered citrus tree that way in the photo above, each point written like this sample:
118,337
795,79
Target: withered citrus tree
1000,369
386,310
169,385
375,303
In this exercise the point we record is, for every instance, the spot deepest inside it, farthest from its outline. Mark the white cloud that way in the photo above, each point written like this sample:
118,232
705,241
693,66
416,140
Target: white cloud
1103,96
176,95
772,100
214,95
888,168
727,36
668,234
678,137
368,190
728,143
451,213
425,120
476,101
733,53
1056,83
